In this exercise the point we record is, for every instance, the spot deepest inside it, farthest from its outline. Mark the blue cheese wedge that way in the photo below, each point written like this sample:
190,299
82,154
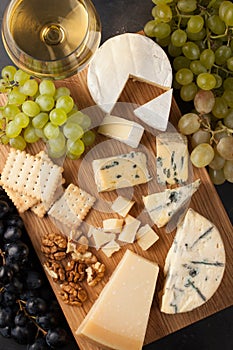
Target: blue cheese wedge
194,265
124,170
162,206
156,112
172,158
121,129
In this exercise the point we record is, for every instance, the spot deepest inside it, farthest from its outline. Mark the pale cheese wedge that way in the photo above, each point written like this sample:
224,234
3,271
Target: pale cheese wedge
119,317
128,233
123,56
194,265
122,205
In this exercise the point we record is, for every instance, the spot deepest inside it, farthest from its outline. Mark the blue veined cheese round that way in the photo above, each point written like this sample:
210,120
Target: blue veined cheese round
194,265
123,56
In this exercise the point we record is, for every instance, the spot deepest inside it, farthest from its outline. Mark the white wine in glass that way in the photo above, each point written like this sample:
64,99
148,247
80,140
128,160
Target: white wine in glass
51,38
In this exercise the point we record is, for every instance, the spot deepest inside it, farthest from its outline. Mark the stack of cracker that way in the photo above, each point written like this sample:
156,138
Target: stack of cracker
36,183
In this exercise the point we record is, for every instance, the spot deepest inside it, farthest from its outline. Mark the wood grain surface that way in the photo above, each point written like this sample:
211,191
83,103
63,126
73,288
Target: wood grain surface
206,201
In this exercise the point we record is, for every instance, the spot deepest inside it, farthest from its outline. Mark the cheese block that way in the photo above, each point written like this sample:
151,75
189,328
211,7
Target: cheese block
122,130
122,205
129,230
119,317
113,225
146,237
124,170
172,158
123,56
194,265
162,206
156,112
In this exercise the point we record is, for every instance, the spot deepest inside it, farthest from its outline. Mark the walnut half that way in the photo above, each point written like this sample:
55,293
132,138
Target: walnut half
95,273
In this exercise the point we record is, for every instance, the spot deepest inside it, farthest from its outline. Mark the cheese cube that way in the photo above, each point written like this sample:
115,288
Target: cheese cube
110,248
146,237
122,205
129,230
119,317
100,237
113,225
172,158
122,130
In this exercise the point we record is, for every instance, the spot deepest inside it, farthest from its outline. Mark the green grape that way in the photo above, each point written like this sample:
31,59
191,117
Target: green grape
30,108
72,156
220,133
228,84
29,88
180,62
230,64
228,120
76,117
61,91
220,108
22,120
178,37
202,155
72,131
40,120
162,30
191,50
15,97
12,129
75,148
21,77
8,73
184,76
158,2
3,85
228,170
88,138
225,147
86,122
199,36
51,131
226,12
4,140
58,116
189,123
55,155
10,111
164,42
40,134
207,58
66,103
217,162
30,135
57,144
217,176
222,54
187,5
163,12
216,25
204,101
47,87
149,28
197,67
218,79
195,24
206,81
228,97
200,136
174,51
46,102
18,142
188,92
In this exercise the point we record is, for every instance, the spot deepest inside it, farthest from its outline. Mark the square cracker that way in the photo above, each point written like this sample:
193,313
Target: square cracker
21,201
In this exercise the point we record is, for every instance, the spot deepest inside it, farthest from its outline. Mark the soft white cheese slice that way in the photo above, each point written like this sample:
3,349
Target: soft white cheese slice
123,56
156,112
194,265
129,230
119,317
162,206
121,129
122,205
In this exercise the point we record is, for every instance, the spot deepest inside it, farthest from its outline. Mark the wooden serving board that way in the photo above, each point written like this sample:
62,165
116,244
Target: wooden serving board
206,201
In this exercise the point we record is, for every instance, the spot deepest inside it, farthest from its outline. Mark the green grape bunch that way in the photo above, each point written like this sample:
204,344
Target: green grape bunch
198,38
40,111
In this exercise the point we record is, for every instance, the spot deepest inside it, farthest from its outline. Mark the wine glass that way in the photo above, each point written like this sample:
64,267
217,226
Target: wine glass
51,38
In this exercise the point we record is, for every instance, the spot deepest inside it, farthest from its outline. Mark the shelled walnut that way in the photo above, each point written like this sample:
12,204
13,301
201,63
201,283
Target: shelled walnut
72,293
95,273
55,270
54,246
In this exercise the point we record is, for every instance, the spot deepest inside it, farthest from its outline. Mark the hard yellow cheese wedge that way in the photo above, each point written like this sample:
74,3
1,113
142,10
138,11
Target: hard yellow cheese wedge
119,317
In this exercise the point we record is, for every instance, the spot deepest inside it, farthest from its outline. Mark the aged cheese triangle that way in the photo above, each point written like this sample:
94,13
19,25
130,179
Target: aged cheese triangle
194,265
156,112
123,56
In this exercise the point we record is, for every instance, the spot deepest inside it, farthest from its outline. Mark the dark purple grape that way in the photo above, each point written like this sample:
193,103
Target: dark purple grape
17,251
12,234
6,317
34,280
28,294
24,334
14,220
40,344
20,319
47,321
5,331
36,306
4,208
9,298
56,338
2,228
6,274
